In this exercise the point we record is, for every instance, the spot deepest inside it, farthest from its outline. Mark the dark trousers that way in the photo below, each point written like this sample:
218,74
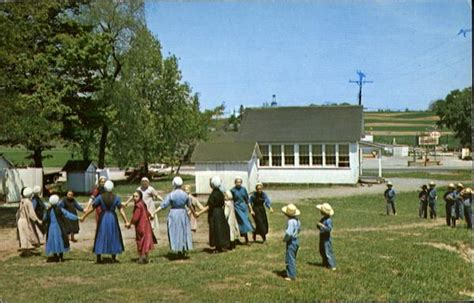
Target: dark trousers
468,215
450,214
391,206
424,209
327,253
432,206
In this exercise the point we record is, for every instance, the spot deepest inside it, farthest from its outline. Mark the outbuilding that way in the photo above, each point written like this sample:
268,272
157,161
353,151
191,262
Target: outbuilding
81,175
313,144
226,160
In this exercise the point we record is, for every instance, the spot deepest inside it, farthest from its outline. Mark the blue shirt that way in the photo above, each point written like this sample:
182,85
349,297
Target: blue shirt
240,194
292,229
389,194
432,195
177,199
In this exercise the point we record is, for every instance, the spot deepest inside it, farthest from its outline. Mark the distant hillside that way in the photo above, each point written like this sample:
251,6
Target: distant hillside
404,126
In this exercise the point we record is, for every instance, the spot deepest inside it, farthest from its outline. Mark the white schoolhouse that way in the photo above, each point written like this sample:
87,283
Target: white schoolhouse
315,144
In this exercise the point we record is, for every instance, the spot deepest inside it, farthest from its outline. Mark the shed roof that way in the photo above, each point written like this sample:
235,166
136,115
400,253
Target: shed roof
302,124
77,165
225,152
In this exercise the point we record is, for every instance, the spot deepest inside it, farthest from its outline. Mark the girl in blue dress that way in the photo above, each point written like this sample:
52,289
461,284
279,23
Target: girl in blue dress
55,222
108,237
242,207
179,226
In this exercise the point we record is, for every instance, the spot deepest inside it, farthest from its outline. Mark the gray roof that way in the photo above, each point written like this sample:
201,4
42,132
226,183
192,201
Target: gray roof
77,165
225,152
302,124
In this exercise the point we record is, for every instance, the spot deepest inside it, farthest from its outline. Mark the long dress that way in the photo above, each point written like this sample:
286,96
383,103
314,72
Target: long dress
71,206
143,233
259,202
55,220
241,199
229,211
219,234
108,237
148,194
26,218
196,206
39,207
179,228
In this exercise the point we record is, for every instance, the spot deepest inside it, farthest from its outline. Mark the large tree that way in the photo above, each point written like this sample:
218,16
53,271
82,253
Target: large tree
36,44
455,113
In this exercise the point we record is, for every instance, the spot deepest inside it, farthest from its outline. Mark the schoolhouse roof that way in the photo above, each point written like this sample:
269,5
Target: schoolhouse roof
302,124
225,152
77,165
5,163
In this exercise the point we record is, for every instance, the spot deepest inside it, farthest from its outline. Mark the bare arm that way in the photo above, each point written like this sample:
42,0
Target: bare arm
124,216
204,209
86,214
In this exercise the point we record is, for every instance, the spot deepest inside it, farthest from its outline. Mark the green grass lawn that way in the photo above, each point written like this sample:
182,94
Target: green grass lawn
378,258
461,175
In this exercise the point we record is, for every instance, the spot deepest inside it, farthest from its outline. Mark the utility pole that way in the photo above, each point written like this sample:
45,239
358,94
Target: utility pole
360,82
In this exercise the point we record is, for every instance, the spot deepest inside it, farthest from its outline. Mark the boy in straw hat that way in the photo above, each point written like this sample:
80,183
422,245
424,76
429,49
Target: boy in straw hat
459,202
432,197
325,240
291,239
423,197
449,198
467,204
389,195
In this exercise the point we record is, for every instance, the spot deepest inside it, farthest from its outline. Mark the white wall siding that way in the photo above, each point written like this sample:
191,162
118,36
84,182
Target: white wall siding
226,171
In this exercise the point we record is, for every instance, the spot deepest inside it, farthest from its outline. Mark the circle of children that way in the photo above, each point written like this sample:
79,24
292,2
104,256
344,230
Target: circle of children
228,219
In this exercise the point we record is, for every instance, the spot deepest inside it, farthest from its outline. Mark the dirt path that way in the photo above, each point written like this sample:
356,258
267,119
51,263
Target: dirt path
399,184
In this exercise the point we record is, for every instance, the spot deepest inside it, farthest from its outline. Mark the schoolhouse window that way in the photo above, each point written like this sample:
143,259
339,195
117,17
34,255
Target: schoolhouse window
265,155
304,154
276,155
317,154
330,154
289,155
344,155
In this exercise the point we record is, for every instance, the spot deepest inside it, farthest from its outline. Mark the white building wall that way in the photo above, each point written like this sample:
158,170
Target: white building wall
322,175
226,171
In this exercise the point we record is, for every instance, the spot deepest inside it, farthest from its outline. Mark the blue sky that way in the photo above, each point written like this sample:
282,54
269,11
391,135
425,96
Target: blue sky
307,51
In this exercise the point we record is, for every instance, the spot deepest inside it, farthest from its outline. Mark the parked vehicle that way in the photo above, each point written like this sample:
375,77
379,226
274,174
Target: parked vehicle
158,170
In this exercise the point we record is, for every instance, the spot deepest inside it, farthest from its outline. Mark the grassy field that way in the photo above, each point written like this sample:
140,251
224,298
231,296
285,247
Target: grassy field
461,175
379,258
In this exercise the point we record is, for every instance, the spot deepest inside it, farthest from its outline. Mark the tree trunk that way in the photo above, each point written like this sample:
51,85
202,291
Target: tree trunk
38,157
179,167
102,145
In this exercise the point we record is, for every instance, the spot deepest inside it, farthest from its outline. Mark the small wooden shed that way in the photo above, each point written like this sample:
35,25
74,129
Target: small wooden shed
226,160
81,175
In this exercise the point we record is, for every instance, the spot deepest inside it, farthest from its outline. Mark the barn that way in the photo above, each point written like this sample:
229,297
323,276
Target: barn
312,144
81,175
226,160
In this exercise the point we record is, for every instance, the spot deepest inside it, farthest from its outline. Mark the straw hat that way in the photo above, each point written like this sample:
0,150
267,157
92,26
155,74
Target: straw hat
54,199
109,185
451,185
291,210
468,191
325,208
460,185
389,183
432,184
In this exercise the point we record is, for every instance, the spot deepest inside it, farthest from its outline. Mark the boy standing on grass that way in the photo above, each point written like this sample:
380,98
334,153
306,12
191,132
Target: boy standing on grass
450,200
423,196
467,205
325,239
389,195
291,239
432,196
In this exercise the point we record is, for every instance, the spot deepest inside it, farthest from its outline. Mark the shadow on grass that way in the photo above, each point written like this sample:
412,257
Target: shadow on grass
280,273
8,217
174,257
318,264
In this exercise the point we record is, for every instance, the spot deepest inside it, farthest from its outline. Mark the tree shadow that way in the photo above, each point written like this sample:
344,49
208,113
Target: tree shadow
8,217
